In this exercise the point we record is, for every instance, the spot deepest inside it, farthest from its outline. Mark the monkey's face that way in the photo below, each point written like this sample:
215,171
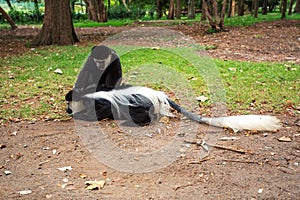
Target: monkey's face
102,63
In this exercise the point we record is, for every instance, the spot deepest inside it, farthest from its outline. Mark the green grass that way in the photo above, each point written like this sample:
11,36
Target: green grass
31,90
249,20
113,22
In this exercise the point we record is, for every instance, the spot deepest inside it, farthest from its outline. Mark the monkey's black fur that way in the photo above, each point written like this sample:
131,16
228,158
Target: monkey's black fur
101,72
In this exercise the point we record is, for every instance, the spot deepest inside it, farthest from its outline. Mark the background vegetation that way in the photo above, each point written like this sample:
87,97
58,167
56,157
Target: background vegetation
31,89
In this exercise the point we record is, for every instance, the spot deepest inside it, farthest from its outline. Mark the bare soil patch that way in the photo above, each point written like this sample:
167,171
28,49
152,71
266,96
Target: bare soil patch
32,152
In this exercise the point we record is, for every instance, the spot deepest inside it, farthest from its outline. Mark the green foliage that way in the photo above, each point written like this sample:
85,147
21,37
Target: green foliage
29,17
120,12
248,20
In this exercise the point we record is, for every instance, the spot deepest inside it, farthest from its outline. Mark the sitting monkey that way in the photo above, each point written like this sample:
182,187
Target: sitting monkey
101,72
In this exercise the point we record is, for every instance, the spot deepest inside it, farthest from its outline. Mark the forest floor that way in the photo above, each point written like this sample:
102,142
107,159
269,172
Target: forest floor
251,165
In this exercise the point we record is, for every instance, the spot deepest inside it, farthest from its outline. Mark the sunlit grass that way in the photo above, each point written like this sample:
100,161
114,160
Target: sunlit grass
31,90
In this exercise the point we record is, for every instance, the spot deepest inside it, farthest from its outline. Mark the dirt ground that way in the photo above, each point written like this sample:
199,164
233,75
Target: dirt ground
263,165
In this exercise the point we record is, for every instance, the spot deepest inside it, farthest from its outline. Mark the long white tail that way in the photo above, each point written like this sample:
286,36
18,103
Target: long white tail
245,122
236,123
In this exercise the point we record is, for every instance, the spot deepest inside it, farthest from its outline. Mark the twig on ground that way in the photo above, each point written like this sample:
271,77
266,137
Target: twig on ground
202,160
238,150
242,161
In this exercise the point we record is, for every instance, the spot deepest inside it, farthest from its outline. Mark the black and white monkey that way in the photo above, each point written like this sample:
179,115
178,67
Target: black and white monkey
143,105
101,72
99,95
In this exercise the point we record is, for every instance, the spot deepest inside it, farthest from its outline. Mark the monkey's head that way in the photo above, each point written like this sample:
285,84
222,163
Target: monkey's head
102,56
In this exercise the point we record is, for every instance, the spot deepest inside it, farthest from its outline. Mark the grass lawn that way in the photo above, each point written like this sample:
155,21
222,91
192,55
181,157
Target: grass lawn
31,89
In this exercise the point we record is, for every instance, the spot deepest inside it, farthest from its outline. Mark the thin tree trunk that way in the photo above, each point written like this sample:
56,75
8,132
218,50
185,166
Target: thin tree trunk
291,7
178,10
241,8
208,15
8,18
203,11
222,17
297,7
159,6
265,7
283,10
255,8
171,10
9,4
231,8
191,9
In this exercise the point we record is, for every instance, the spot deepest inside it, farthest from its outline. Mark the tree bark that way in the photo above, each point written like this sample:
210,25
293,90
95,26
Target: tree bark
241,6
96,10
171,10
8,19
297,7
255,8
265,7
191,9
291,7
203,11
159,7
283,9
9,4
57,27
178,10
216,22
231,8
222,16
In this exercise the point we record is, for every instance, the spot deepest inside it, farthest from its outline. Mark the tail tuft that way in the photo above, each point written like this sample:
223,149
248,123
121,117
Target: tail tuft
246,122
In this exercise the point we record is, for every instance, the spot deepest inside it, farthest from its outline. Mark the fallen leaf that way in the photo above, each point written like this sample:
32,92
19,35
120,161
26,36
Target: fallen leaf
284,139
83,176
95,185
24,192
58,71
164,120
155,48
6,172
65,168
232,69
202,98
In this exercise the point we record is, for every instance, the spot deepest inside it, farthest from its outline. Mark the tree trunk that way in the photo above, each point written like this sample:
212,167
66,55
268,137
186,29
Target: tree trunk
283,9
96,10
265,7
222,16
191,9
57,27
255,8
9,4
108,4
8,19
159,7
297,7
178,10
216,22
171,10
291,7
203,11
231,8
241,6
